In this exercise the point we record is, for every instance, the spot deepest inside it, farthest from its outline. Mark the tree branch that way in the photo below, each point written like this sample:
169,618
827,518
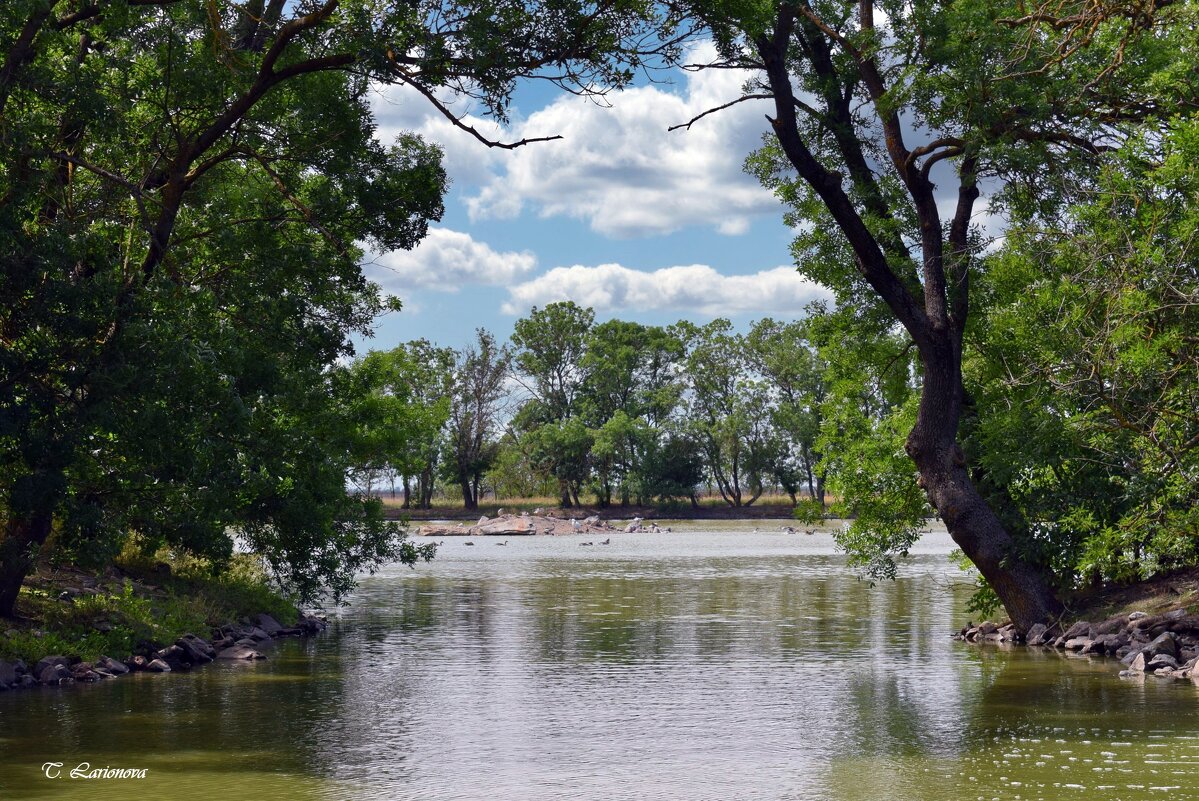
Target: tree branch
722,107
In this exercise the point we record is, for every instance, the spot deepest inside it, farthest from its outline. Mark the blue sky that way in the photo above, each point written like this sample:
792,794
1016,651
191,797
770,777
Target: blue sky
622,215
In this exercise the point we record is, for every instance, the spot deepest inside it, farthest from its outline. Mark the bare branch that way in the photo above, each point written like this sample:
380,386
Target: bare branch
458,123
698,117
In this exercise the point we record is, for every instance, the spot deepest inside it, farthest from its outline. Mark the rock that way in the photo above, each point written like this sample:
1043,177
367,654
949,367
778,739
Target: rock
1163,644
1037,634
1078,643
111,665
269,624
294,631
1161,661
1165,671
256,634
1111,625
1138,663
47,661
137,662
1176,614
84,672
1129,674
174,656
195,650
8,674
987,627
158,666
1080,629
503,527
1134,616
54,674
239,652
103,626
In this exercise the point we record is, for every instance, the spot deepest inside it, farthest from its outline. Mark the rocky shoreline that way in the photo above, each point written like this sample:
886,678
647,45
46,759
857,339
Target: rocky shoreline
526,524
237,641
1165,645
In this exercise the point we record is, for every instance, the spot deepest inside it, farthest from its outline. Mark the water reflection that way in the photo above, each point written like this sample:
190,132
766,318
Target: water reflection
703,666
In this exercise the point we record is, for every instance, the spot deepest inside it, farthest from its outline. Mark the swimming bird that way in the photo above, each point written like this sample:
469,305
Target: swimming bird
505,542
586,543
809,531
788,529
607,541
468,542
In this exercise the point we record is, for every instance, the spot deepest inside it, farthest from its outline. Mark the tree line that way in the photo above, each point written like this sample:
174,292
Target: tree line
610,413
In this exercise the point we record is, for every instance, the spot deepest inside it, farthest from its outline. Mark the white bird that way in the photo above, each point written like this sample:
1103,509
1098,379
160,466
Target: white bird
499,513
574,523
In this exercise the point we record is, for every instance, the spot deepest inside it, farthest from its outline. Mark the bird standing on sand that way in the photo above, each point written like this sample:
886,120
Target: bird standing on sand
574,523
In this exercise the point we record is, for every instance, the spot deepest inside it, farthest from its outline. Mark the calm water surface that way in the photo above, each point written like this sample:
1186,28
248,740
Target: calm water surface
712,665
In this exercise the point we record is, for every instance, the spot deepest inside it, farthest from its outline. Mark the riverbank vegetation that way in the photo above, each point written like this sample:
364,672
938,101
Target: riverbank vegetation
139,603
188,191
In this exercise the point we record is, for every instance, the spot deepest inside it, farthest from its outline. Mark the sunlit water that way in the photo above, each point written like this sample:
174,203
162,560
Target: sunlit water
713,665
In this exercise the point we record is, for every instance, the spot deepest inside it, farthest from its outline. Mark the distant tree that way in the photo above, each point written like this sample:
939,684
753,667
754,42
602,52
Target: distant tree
727,412
783,355
479,391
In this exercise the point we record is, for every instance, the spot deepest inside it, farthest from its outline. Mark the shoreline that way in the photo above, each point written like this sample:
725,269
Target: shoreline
230,642
1164,645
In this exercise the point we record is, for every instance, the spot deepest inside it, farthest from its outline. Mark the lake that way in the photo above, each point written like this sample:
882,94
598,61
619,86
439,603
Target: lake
715,664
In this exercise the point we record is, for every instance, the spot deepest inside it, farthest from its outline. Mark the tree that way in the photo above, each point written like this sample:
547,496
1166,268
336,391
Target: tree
728,411
479,388
1090,361
873,104
782,354
183,190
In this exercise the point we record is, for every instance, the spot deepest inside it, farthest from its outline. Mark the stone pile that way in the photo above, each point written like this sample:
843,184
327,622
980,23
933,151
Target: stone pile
237,641
524,524
1164,645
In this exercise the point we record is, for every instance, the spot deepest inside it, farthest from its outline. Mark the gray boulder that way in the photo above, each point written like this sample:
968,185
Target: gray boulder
8,674
1164,643
196,650
47,661
1078,643
239,652
54,674
269,624
111,665
1161,661
1037,634
157,666
1080,629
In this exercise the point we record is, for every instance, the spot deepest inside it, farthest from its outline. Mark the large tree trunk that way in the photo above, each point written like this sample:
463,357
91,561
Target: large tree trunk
973,525
469,499
23,540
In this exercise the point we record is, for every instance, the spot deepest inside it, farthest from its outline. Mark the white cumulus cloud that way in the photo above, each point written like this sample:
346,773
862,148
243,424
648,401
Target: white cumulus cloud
618,168
694,288
447,260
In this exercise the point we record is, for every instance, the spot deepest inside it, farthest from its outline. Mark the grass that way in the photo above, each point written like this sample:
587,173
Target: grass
1178,589
772,505
147,603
